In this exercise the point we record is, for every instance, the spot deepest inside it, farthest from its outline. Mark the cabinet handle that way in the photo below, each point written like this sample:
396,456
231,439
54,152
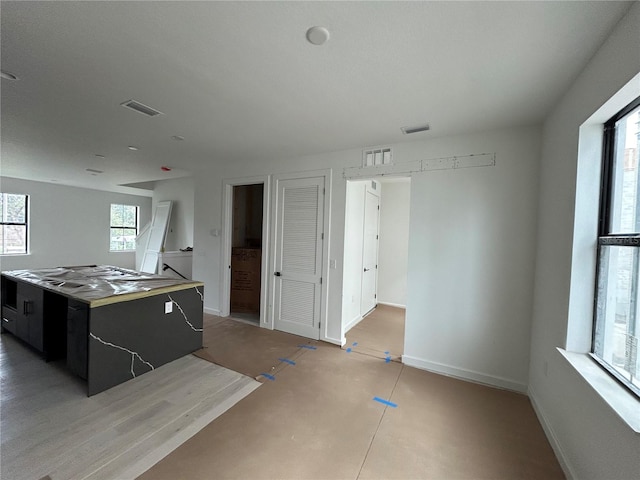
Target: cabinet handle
25,307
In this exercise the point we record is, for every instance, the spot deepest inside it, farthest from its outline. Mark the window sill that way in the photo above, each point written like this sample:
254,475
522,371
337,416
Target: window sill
621,401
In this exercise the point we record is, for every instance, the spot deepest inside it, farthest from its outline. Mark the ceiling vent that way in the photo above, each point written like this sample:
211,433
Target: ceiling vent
410,130
141,108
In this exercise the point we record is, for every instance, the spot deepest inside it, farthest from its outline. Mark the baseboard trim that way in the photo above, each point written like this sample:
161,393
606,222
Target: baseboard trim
212,311
397,305
551,435
464,374
334,341
352,323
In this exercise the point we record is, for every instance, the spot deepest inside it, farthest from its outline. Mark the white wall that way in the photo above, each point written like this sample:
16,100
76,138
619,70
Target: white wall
181,192
353,245
593,441
393,250
487,327
69,225
471,260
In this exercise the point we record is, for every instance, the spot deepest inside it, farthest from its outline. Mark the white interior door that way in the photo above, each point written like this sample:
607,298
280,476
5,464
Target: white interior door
368,299
298,258
157,235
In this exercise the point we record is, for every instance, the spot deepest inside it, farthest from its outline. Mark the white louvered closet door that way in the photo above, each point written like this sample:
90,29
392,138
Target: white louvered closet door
298,262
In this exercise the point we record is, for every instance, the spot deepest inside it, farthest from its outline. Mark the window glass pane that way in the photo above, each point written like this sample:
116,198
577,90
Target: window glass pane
617,326
124,227
117,213
129,238
625,214
129,216
14,239
15,208
117,239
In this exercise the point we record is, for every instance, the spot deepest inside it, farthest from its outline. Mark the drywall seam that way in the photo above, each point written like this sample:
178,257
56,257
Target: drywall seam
464,374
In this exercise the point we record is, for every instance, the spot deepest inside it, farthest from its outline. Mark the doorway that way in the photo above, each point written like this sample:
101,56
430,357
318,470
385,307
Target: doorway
376,239
246,252
299,254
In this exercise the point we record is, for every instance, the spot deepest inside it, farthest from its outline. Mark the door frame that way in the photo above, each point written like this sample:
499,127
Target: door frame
375,193
324,286
227,241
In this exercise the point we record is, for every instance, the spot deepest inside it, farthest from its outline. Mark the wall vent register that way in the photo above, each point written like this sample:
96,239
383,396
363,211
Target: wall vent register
377,156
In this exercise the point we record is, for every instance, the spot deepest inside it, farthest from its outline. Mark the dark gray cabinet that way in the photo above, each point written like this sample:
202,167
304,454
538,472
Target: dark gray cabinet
34,316
30,303
77,337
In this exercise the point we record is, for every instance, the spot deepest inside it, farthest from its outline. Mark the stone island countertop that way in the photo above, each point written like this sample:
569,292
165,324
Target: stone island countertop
99,285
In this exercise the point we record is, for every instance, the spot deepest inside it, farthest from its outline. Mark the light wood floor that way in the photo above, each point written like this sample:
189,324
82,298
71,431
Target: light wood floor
50,428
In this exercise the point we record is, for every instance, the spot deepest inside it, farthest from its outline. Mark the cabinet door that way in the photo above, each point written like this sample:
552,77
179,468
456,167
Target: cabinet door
77,337
30,315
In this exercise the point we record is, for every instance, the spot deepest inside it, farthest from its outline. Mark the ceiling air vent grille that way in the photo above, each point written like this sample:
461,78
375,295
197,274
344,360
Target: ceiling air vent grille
376,156
410,130
141,108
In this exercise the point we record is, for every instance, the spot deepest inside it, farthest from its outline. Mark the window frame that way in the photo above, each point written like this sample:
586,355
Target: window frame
605,237
26,223
111,227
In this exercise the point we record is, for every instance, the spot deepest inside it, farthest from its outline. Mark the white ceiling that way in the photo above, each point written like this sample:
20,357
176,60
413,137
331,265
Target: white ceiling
239,81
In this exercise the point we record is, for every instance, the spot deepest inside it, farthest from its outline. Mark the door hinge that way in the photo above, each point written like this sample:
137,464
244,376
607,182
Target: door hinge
378,207
319,323
376,237
323,190
375,296
322,236
320,280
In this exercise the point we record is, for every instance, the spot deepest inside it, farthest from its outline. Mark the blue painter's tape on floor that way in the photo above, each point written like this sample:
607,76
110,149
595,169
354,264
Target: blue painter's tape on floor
286,360
385,402
349,350
386,353
355,343
387,360
267,376
309,347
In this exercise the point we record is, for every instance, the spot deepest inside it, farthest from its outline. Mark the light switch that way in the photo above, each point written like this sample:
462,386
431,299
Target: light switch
168,307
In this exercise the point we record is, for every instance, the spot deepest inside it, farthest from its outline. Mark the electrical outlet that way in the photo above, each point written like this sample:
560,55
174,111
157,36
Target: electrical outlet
168,307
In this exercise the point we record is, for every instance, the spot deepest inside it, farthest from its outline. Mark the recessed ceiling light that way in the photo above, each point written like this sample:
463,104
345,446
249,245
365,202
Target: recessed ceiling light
131,147
7,75
317,35
410,130
178,138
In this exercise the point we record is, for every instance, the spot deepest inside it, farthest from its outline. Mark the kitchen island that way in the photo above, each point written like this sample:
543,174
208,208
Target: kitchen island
111,324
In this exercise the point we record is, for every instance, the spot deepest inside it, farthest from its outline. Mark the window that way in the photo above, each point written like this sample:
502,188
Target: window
14,210
617,309
124,228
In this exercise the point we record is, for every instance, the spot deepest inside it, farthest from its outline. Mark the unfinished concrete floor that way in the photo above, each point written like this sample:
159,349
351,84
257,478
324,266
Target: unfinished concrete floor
319,420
